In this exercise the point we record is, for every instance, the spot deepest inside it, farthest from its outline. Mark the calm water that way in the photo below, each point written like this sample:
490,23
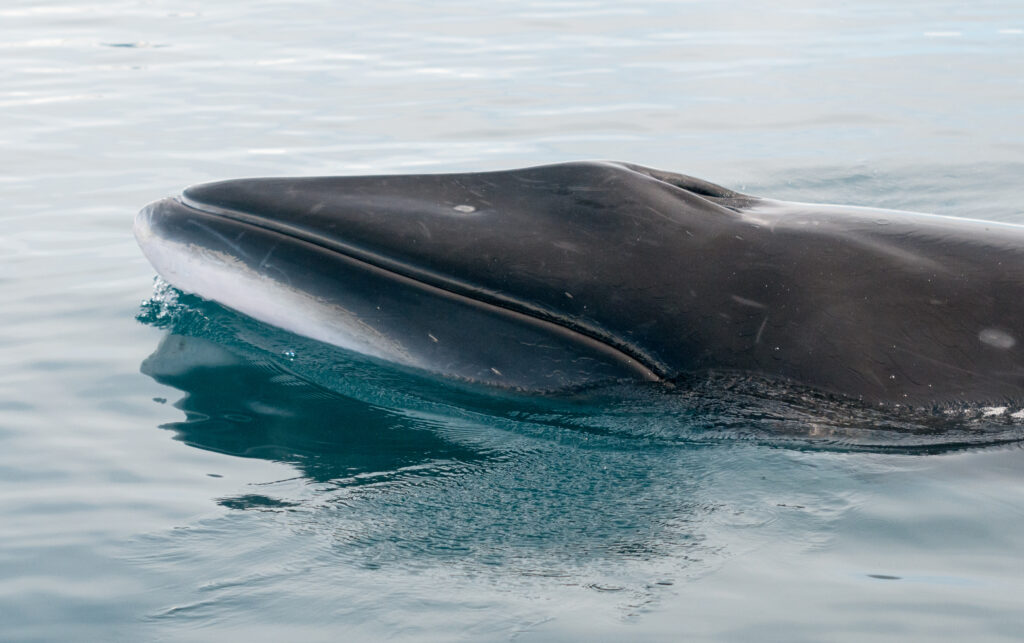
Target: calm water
171,471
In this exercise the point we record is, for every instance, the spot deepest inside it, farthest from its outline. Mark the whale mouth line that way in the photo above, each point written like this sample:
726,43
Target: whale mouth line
433,279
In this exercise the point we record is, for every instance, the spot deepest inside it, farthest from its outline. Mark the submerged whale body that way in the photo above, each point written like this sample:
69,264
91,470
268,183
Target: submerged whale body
562,275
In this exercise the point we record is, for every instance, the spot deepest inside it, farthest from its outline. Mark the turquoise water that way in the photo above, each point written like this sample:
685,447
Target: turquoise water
172,471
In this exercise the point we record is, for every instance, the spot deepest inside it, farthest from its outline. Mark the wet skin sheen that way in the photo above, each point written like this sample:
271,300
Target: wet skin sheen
569,274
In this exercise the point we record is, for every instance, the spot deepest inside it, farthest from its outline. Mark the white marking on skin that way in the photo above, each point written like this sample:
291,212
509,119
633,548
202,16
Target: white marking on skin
464,208
431,336
993,410
495,371
219,276
935,361
1019,415
791,214
997,338
567,246
658,213
228,242
747,302
760,330
266,257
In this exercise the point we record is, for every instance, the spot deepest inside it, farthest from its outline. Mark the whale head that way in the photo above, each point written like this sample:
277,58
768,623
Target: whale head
555,276
529,278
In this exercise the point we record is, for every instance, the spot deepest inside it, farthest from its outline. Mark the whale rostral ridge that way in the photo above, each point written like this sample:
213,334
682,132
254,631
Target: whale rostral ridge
560,275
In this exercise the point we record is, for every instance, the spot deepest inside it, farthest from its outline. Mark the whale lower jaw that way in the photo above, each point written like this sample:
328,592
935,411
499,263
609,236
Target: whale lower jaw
221,277
328,296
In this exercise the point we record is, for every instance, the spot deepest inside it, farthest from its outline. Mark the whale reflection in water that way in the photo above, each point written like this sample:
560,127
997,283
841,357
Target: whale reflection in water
625,488
420,481
249,409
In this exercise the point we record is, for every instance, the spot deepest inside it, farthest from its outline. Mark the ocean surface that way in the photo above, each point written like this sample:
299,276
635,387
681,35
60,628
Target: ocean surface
172,471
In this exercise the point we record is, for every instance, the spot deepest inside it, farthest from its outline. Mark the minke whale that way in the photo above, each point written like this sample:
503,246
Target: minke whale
565,275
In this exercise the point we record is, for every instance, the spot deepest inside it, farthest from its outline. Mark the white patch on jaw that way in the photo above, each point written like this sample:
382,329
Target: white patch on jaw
220,277
743,301
997,338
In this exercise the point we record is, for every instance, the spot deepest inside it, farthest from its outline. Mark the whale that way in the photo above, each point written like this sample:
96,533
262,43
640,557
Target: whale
558,276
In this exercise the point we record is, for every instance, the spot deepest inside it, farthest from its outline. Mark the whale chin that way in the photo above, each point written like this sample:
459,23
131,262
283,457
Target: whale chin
565,275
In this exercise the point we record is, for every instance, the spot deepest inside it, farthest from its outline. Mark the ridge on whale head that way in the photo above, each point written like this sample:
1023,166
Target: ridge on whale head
559,275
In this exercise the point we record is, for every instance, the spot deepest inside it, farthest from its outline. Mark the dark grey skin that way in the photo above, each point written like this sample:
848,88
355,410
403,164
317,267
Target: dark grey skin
567,274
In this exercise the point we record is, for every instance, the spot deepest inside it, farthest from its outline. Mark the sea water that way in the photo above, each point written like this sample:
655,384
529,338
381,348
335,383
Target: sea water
170,470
